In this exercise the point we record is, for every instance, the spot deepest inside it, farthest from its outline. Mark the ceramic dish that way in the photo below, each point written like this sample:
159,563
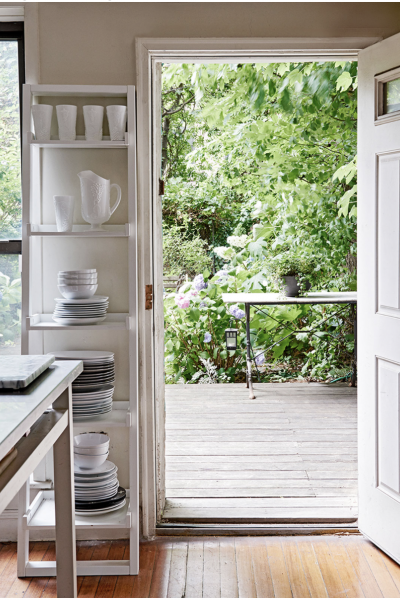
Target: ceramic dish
97,513
91,440
89,462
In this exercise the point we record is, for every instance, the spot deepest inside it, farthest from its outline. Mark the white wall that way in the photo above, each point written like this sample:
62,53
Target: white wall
93,43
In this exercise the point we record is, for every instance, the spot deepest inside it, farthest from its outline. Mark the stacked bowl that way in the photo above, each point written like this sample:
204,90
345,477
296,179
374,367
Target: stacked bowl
97,489
77,284
91,449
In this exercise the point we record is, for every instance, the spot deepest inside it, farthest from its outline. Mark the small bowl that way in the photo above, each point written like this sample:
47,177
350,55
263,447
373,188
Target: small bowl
91,440
79,272
89,462
77,291
95,451
67,281
83,278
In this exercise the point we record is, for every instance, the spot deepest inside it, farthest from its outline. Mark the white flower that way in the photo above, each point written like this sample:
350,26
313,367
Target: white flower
220,251
238,241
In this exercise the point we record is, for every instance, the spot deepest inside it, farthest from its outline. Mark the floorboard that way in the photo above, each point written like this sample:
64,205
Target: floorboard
225,453
226,567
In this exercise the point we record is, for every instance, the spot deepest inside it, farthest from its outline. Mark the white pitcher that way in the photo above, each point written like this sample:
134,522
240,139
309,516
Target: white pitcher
96,198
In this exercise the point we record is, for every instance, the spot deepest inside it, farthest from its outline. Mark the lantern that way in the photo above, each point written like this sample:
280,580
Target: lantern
231,339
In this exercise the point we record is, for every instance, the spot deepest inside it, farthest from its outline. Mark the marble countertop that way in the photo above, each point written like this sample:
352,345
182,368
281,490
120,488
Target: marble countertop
19,371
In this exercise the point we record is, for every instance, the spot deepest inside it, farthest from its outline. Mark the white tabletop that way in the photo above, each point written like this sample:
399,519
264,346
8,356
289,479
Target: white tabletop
19,409
311,298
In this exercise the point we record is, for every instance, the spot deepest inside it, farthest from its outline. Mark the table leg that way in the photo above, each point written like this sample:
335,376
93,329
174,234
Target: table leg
248,355
65,505
354,365
23,534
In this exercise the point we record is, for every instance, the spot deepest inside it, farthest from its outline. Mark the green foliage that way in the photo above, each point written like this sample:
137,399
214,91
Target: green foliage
183,256
10,301
289,263
271,146
10,158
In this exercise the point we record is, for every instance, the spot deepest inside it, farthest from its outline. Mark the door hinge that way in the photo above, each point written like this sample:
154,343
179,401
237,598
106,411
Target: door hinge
161,187
149,297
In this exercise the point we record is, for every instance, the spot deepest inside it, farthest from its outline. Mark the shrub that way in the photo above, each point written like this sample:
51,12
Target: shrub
183,256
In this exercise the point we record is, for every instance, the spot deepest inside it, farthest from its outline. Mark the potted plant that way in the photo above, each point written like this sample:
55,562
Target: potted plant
294,271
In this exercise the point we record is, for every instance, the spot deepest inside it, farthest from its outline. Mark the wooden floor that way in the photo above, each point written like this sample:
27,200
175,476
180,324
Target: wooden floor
225,567
290,455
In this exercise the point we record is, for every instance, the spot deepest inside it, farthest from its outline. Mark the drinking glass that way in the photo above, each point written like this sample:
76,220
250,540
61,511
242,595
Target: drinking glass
64,209
66,117
42,114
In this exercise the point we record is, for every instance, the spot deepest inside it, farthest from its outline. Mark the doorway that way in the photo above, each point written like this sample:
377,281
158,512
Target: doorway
159,399
259,176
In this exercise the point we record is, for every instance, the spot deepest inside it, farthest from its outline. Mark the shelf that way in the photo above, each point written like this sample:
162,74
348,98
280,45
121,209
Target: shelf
79,90
41,515
80,142
118,417
78,231
44,322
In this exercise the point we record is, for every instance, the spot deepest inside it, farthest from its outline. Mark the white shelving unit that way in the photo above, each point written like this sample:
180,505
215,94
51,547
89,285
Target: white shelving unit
45,251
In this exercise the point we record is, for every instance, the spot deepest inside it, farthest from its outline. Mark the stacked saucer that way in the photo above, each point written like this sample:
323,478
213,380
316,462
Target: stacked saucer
82,311
97,490
93,389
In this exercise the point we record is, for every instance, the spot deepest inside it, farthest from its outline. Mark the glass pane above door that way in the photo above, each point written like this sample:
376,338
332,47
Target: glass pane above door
391,96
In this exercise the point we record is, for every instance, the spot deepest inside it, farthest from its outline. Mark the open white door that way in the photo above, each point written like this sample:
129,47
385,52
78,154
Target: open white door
379,294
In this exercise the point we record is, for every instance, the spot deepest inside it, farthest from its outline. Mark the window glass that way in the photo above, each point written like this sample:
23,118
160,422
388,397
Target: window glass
10,154
10,304
391,96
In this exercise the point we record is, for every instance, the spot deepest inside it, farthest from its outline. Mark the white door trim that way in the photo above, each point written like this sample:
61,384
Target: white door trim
150,51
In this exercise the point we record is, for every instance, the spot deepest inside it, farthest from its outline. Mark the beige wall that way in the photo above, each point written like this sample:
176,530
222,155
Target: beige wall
93,43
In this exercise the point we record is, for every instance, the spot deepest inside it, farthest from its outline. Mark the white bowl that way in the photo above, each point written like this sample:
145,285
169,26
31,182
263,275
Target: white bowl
77,291
90,451
91,440
89,462
77,280
74,276
78,272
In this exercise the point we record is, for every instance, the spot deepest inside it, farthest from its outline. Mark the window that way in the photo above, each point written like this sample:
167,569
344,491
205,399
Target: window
11,80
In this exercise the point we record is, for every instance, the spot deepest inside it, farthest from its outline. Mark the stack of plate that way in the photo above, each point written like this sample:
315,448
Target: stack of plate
97,491
93,389
82,311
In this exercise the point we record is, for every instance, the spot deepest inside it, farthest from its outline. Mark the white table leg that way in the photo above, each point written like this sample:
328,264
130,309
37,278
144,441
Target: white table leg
23,534
65,505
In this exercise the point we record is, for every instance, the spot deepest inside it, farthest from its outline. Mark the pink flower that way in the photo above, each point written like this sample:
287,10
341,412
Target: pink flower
194,292
182,301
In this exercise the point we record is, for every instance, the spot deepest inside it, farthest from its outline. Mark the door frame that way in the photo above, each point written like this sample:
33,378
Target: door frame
150,53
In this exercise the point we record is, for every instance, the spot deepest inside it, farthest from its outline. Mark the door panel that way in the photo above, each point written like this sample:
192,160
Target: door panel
379,296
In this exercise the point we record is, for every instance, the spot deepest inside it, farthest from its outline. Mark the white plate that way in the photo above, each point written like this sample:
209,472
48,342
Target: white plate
92,300
103,483
96,497
96,513
106,467
78,321
86,476
95,493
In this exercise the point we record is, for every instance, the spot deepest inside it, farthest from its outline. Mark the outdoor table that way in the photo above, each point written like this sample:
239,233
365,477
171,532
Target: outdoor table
312,298
28,409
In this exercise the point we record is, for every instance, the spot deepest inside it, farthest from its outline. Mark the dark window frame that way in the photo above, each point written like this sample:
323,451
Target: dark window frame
14,31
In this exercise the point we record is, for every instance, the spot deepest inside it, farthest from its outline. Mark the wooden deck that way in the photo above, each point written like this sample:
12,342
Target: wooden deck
290,455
